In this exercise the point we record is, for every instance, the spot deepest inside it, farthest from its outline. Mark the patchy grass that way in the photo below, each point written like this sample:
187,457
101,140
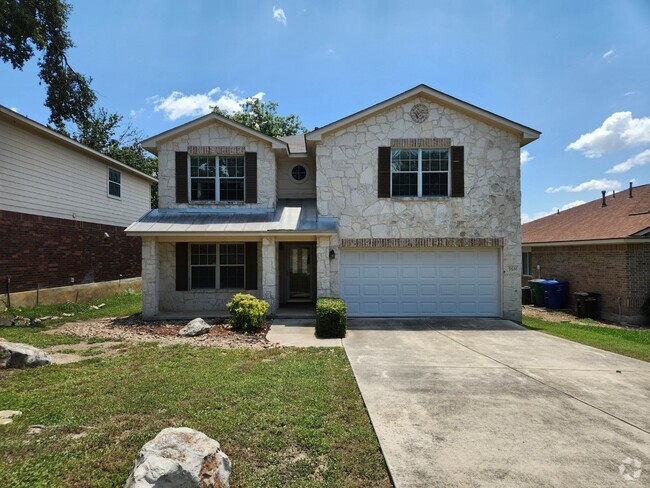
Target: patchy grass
34,336
628,342
114,306
286,417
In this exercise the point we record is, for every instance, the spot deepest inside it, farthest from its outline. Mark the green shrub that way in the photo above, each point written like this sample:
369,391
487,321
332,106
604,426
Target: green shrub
331,318
247,313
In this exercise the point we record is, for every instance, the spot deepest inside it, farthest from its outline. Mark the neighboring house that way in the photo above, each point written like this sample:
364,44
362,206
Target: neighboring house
63,210
410,207
602,246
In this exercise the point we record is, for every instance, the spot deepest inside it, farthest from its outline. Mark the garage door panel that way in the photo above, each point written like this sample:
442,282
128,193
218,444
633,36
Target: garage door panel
420,282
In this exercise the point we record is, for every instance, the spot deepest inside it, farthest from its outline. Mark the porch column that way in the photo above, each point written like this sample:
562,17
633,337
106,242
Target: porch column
150,278
269,273
323,267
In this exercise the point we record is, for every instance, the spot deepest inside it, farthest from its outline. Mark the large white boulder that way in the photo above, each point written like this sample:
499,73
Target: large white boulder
179,458
196,327
16,355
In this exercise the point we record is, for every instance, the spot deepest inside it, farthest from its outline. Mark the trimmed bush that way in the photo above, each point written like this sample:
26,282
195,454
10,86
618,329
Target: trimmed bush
331,318
247,313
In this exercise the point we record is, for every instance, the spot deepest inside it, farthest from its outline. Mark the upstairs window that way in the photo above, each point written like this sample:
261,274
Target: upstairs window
217,178
420,173
114,183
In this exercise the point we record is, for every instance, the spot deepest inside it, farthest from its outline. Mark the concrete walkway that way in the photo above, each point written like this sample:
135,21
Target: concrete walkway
489,403
298,333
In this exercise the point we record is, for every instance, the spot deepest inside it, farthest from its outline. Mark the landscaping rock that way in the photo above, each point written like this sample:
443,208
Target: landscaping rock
180,457
15,355
196,327
6,416
21,322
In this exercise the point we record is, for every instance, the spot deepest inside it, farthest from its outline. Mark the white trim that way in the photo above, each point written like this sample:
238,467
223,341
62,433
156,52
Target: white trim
258,234
217,265
526,134
46,131
593,242
217,178
420,173
299,182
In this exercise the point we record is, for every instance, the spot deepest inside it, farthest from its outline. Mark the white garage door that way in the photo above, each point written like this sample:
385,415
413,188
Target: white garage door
401,283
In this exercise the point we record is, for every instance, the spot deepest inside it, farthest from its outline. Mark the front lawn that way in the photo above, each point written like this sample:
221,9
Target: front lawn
629,342
286,417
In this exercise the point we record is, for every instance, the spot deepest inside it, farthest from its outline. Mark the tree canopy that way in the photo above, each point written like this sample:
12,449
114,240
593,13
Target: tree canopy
263,117
31,26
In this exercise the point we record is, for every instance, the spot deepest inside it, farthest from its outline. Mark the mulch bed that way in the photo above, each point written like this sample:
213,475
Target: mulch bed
134,329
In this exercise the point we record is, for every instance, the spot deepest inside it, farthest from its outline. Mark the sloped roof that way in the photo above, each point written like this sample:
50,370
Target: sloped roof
623,217
289,216
44,131
526,134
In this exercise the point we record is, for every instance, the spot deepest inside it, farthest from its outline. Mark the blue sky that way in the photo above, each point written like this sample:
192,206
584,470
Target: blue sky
578,71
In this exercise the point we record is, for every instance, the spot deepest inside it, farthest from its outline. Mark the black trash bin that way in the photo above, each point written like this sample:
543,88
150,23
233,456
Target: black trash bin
587,304
536,292
526,298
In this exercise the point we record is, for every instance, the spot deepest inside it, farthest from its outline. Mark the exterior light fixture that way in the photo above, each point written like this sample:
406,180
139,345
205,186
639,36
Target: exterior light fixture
332,254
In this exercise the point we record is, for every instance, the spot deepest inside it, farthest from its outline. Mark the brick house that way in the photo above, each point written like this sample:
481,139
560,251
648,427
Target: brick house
63,210
602,246
410,207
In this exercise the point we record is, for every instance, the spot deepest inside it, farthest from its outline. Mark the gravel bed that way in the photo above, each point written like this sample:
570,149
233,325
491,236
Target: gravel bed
132,329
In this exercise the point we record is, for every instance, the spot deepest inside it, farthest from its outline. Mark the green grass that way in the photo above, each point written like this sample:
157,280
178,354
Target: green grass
632,343
285,417
115,306
35,336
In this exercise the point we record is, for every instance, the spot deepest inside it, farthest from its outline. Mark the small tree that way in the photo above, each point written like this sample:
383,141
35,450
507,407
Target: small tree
263,117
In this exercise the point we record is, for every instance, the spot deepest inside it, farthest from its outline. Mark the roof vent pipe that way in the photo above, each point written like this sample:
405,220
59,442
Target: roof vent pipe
604,204
630,196
613,193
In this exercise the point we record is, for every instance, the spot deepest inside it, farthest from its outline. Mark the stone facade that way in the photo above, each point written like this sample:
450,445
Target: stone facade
618,272
223,136
346,163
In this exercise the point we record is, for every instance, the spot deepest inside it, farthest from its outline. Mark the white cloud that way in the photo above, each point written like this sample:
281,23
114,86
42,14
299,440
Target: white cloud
525,157
134,114
591,185
528,218
617,131
177,104
609,55
278,14
629,94
14,109
640,159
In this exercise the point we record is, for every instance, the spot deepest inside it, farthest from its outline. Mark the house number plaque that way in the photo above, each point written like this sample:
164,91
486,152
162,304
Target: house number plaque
419,113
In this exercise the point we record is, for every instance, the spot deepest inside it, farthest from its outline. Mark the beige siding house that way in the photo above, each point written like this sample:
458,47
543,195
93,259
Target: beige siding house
58,202
408,208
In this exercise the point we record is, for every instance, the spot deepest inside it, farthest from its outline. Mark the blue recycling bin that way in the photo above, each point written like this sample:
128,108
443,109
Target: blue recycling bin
554,293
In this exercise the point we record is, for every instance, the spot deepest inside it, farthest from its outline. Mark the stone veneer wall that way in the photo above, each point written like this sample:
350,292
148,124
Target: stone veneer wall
346,184
171,300
619,272
216,135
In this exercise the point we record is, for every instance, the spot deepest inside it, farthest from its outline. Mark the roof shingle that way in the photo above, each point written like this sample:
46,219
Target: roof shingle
621,218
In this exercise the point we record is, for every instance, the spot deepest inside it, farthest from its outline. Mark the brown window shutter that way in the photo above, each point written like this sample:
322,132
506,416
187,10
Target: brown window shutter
457,171
250,165
383,172
251,266
181,177
181,266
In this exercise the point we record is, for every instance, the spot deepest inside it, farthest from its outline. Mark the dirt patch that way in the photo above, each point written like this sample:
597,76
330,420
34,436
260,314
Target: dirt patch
563,316
133,329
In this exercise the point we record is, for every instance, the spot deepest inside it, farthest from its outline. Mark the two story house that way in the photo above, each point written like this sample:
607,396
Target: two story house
410,207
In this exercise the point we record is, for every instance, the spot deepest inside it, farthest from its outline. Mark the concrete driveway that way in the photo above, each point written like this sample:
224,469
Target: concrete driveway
489,403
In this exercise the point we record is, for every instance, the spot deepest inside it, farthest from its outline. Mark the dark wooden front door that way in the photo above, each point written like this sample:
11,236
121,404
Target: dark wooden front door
299,273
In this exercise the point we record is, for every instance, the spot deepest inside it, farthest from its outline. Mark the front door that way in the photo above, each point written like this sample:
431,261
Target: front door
300,272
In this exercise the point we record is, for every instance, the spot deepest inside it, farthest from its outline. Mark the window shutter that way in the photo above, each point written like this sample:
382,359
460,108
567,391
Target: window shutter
383,172
251,266
457,171
181,266
181,177
250,164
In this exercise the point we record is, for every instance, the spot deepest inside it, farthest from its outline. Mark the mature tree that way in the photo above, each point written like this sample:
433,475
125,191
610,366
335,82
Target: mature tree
104,132
28,26
263,117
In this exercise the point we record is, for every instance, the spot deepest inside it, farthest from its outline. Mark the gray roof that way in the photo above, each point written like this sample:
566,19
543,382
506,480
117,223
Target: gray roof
290,216
296,143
